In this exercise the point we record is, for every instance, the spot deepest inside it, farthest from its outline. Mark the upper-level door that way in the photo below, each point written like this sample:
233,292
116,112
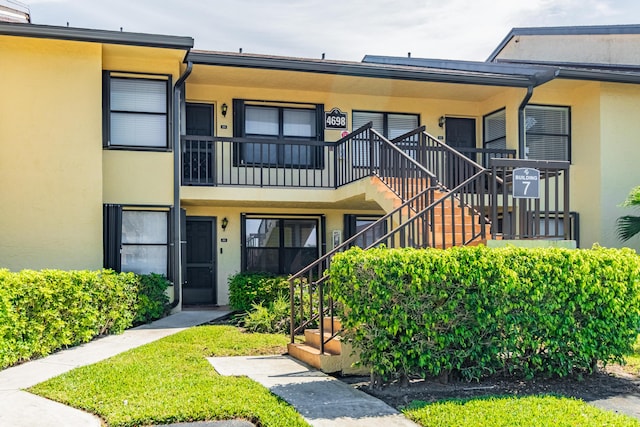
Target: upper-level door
460,134
198,155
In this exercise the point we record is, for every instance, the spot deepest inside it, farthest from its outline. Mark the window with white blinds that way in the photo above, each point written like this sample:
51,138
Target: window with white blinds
495,130
137,112
145,241
391,125
547,132
282,123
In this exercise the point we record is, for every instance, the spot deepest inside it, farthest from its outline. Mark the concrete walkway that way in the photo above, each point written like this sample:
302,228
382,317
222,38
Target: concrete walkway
21,409
321,399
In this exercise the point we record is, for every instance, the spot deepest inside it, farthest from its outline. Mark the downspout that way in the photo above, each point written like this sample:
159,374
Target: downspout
177,243
536,80
521,120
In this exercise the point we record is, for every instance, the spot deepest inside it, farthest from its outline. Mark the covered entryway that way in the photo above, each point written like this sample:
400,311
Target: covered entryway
201,287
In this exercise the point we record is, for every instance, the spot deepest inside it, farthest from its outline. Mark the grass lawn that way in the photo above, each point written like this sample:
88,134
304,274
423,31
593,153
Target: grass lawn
170,381
633,361
509,411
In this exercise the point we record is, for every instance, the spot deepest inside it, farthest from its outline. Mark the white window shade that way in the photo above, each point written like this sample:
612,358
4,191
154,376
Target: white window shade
495,130
299,123
143,130
399,124
145,227
139,95
547,132
138,112
361,118
261,121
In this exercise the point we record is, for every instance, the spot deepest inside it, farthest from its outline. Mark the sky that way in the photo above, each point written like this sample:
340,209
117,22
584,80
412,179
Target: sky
341,29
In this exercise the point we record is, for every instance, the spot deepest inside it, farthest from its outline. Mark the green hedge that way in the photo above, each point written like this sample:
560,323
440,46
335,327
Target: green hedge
478,311
42,311
247,289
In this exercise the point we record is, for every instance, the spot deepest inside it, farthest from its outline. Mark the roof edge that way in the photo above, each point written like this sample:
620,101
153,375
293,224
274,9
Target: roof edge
96,36
563,31
357,69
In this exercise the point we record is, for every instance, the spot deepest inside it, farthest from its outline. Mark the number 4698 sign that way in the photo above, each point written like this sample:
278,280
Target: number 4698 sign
335,119
526,183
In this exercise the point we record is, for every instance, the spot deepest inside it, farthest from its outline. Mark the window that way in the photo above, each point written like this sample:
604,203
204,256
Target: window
495,130
136,240
144,242
279,245
390,125
547,132
354,224
136,111
274,122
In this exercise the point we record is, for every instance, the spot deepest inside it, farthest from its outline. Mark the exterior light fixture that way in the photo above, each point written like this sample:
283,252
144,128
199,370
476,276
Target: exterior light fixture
224,109
224,223
441,121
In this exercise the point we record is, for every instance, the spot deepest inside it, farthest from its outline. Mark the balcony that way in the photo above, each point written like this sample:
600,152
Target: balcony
262,162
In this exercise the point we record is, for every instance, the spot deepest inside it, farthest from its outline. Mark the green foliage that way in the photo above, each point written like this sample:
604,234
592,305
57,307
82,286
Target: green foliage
43,311
628,226
247,289
539,411
477,311
184,386
273,318
153,301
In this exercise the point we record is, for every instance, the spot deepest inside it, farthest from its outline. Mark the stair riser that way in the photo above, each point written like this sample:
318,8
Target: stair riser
312,338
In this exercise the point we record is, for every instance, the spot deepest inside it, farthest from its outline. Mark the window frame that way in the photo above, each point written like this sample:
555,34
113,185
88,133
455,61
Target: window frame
351,226
113,234
486,117
239,131
385,119
551,134
107,77
281,248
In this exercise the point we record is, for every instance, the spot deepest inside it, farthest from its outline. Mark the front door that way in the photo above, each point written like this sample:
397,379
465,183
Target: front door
200,287
460,134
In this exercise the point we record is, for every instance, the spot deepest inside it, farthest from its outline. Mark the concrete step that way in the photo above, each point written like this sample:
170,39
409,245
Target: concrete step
326,362
313,338
337,324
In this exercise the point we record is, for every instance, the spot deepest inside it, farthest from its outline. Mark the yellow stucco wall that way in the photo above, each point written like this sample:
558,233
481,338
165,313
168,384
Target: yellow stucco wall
228,260
139,177
50,154
620,151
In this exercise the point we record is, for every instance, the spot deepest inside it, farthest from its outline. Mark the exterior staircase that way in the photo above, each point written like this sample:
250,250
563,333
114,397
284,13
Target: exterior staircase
338,355
426,205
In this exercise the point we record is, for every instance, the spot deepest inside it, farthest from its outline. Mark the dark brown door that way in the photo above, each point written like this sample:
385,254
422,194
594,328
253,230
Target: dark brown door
200,288
460,135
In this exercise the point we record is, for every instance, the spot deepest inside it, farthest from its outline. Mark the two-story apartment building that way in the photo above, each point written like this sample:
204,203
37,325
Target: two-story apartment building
105,137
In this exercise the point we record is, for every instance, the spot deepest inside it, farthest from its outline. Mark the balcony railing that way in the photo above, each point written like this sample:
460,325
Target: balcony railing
262,162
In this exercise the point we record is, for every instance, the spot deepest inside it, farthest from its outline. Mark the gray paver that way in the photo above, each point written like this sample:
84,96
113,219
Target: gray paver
322,400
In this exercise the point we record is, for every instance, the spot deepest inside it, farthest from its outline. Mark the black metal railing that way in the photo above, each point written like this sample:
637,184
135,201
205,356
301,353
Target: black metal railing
264,162
544,214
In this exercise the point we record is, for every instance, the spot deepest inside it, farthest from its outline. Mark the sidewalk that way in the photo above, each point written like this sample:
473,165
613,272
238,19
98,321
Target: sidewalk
21,409
322,400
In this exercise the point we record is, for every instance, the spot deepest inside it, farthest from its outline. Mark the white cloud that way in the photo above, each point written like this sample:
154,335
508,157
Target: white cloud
345,29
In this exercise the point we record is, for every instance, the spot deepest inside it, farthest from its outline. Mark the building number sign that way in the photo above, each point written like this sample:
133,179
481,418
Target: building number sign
335,119
526,183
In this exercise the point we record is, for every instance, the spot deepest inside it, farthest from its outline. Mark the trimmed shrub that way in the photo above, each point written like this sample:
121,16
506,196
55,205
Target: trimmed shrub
247,289
43,311
475,311
153,301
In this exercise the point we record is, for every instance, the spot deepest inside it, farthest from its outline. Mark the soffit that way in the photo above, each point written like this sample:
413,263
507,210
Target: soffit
332,83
